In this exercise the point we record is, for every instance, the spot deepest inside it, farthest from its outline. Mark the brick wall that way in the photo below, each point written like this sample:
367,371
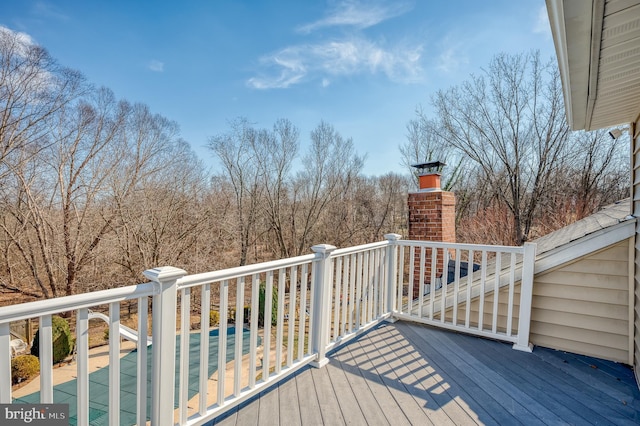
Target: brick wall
432,216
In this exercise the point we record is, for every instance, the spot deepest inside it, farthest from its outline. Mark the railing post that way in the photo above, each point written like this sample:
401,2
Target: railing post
392,273
526,295
321,308
164,342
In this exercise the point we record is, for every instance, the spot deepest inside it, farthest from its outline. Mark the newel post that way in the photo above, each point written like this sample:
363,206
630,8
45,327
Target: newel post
526,296
321,307
164,342
392,273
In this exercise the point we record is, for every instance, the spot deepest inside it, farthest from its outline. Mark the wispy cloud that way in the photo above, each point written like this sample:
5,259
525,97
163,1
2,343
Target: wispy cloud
296,64
357,14
541,25
156,66
344,55
47,10
452,57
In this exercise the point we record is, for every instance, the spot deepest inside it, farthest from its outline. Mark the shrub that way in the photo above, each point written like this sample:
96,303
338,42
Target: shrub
214,318
231,316
24,367
262,295
62,340
247,313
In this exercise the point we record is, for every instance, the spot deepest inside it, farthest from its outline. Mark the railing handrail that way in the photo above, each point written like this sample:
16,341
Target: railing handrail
461,246
77,301
241,271
359,249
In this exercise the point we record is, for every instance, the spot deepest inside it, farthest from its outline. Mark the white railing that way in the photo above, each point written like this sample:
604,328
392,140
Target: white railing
467,287
79,306
286,314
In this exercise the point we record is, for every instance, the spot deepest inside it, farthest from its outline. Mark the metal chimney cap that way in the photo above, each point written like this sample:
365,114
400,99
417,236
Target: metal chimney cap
430,167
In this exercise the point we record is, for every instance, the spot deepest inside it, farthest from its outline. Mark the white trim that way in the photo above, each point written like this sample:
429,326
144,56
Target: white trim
585,245
632,298
555,11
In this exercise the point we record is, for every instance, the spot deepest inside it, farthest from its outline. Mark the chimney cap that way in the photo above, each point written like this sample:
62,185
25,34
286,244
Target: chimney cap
430,167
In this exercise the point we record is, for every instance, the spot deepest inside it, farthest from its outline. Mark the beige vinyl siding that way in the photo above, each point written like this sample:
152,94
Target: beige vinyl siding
583,306
635,210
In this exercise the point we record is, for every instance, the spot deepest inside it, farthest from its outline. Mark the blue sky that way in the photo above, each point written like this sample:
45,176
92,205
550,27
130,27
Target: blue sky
364,66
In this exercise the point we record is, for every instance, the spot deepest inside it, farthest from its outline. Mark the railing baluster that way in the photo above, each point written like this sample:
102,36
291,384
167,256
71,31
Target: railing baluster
293,284
311,304
46,360
337,298
268,305
303,311
280,321
444,285
82,366
365,288
512,279
205,308
352,290
345,295
412,278
238,337
358,289
5,364
470,267
456,287
253,331
222,340
400,278
496,292
114,364
370,287
379,279
185,328
421,285
432,283
483,280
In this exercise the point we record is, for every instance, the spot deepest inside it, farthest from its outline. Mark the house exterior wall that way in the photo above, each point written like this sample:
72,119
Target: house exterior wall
635,210
583,306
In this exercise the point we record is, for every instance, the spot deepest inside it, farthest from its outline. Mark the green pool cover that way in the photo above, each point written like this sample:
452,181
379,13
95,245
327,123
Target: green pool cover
65,393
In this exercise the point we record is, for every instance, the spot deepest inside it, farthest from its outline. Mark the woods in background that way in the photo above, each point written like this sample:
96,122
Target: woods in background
94,190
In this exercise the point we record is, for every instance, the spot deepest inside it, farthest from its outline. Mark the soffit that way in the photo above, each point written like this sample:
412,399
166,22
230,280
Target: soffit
598,48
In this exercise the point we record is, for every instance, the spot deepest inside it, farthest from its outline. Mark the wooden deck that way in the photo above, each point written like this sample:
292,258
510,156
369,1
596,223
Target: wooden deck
404,374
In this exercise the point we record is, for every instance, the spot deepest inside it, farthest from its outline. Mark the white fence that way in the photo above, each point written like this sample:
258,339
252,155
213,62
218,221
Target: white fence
285,314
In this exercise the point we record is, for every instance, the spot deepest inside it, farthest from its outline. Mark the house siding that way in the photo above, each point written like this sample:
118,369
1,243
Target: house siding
583,306
635,210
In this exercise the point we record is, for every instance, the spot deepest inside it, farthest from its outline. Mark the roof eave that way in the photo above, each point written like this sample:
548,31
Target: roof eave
571,26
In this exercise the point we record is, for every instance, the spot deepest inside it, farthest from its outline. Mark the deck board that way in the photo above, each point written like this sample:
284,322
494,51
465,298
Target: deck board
405,373
568,409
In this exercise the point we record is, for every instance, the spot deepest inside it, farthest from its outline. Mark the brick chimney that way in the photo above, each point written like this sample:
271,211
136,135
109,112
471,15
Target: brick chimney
432,217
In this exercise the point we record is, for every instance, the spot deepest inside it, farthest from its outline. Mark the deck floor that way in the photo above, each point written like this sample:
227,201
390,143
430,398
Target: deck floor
408,374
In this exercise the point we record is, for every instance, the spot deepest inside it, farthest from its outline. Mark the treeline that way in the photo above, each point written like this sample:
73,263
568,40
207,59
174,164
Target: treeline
94,189
516,168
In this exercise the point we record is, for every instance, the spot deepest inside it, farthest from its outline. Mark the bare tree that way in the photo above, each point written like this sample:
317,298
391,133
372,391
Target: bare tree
239,160
33,88
275,153
510,122
330,167
423,145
